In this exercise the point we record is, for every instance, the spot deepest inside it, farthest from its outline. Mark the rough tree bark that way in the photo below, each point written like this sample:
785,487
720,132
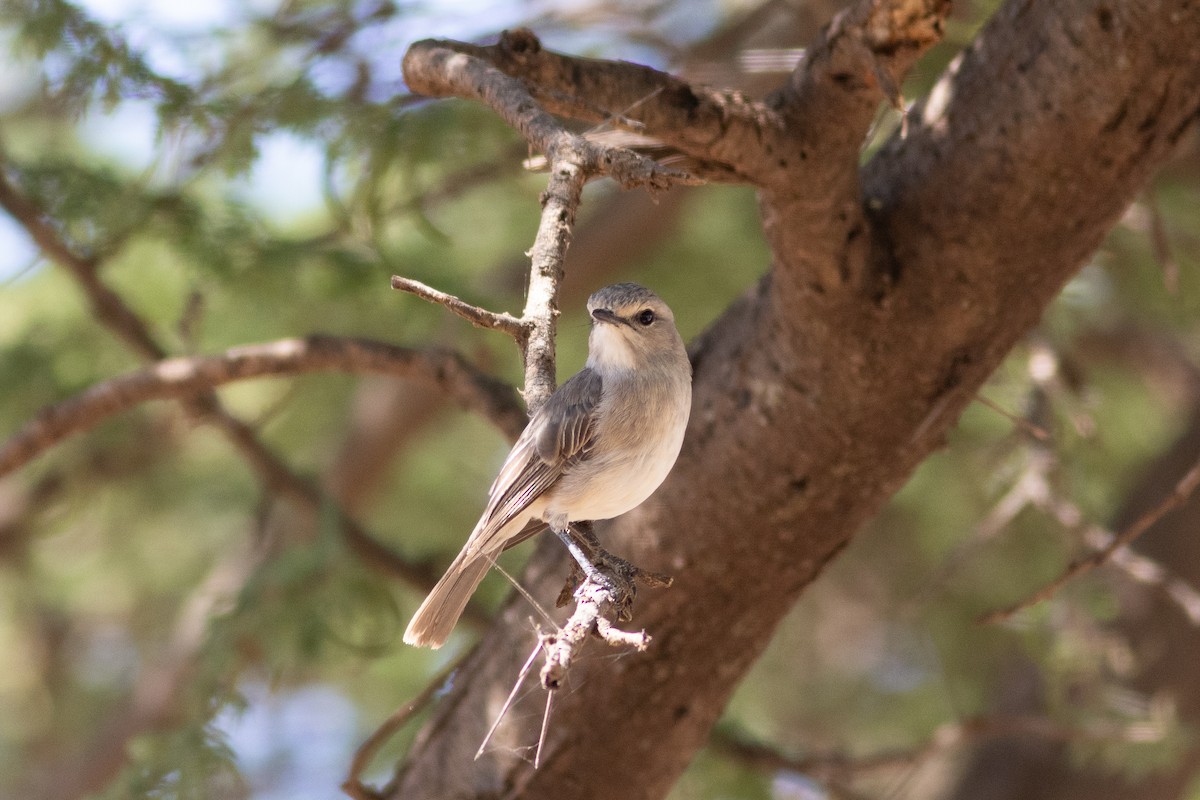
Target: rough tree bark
894,291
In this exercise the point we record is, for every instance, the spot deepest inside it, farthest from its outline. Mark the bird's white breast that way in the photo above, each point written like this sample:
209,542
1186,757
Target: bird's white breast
638,440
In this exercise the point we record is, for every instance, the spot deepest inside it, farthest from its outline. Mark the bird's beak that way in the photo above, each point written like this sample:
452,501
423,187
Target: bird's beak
606,316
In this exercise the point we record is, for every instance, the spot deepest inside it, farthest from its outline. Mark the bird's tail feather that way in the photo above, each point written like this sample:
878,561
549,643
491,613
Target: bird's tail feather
435,619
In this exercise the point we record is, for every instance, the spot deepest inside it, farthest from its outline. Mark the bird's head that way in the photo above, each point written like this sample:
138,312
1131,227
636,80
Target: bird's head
632,328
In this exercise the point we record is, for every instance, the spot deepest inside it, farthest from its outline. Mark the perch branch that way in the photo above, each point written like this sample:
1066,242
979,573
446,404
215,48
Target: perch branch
595,605
559,205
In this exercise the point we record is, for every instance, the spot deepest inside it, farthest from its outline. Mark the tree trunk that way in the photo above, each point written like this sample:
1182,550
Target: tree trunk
820,390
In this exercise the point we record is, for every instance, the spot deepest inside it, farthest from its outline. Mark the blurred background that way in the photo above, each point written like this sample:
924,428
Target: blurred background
239,172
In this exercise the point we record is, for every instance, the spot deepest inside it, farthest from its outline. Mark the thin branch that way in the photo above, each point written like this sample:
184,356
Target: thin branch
119,318
1134,566
1034,430
597,603
479,317
537,754
1179,495
107,305
1160,243
512,695
180,378
547,257
365,753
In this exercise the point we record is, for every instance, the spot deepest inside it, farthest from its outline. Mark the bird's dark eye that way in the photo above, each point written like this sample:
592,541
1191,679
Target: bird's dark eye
646,317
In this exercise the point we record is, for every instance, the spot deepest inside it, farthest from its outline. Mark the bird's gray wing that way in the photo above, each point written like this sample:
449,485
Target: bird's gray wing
559,435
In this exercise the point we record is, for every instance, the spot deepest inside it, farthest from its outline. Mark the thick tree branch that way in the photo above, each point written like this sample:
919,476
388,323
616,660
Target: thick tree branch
449,69
812,211
180,378
817,405
707,125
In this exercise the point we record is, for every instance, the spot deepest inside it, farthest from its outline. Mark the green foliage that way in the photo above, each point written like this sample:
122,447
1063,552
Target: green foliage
188,763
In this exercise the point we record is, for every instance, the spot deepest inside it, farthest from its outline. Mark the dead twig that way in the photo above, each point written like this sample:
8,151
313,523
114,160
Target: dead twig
1179,495
508,701
597,603
479,317
1034,430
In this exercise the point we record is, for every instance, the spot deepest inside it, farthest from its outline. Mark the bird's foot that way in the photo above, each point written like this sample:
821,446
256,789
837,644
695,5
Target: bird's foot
593,563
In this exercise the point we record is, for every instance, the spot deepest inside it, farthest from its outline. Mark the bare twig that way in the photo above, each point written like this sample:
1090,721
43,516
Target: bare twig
363,756
596,604
479,317
537,754
1134,566
508,701
184,377
1036,431
1179,495
1160,243
559,204
107,305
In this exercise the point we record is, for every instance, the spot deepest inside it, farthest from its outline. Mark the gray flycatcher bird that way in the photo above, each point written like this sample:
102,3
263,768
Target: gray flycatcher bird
600,445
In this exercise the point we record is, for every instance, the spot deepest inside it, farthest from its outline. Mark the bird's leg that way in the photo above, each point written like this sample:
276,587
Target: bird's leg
602,567
582,547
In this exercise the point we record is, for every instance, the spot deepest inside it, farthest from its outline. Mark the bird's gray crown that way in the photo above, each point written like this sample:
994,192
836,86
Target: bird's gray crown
624,297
